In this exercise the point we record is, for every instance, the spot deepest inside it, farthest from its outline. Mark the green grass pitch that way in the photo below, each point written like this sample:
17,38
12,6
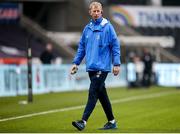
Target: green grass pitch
156,109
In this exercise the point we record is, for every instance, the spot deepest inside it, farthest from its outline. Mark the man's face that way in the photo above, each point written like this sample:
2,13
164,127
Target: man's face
49,47
95,12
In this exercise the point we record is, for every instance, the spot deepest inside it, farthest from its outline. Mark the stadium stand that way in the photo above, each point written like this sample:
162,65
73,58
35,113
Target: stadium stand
43,29
13,42
165,31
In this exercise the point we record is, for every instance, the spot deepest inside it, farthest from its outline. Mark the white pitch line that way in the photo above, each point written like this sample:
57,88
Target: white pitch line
140,97
42,113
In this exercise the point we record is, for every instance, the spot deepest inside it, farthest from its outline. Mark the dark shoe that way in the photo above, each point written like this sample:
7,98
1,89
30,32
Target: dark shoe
79,124
109,125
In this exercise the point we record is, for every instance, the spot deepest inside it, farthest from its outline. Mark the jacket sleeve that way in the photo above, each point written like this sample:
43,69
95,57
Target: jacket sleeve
115,46
81,50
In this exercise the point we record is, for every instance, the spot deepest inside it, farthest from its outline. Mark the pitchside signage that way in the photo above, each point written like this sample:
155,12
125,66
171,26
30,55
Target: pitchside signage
9,12
168,74
55,78
146,16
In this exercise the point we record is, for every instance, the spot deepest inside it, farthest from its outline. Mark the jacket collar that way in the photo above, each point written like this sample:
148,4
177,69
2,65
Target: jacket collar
97,25
97,21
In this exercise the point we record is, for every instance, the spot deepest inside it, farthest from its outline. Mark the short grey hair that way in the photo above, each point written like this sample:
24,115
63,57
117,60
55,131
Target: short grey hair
96,4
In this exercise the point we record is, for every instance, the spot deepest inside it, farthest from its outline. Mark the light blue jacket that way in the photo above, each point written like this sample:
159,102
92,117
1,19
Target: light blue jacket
99,45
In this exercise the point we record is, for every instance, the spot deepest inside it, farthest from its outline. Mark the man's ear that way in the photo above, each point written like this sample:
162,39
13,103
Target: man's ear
101,11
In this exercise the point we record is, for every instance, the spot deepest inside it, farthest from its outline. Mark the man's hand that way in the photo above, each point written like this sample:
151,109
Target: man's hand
116,70
74,69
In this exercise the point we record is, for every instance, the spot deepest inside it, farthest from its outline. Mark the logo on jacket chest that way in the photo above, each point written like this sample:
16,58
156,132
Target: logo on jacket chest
97,37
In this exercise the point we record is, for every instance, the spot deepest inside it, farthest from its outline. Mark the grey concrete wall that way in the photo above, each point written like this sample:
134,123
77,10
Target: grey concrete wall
70,16
57,17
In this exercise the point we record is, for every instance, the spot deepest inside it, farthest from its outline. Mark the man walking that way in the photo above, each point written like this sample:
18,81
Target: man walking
100,47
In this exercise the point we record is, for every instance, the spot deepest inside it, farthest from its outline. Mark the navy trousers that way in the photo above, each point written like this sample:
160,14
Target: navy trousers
97,91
